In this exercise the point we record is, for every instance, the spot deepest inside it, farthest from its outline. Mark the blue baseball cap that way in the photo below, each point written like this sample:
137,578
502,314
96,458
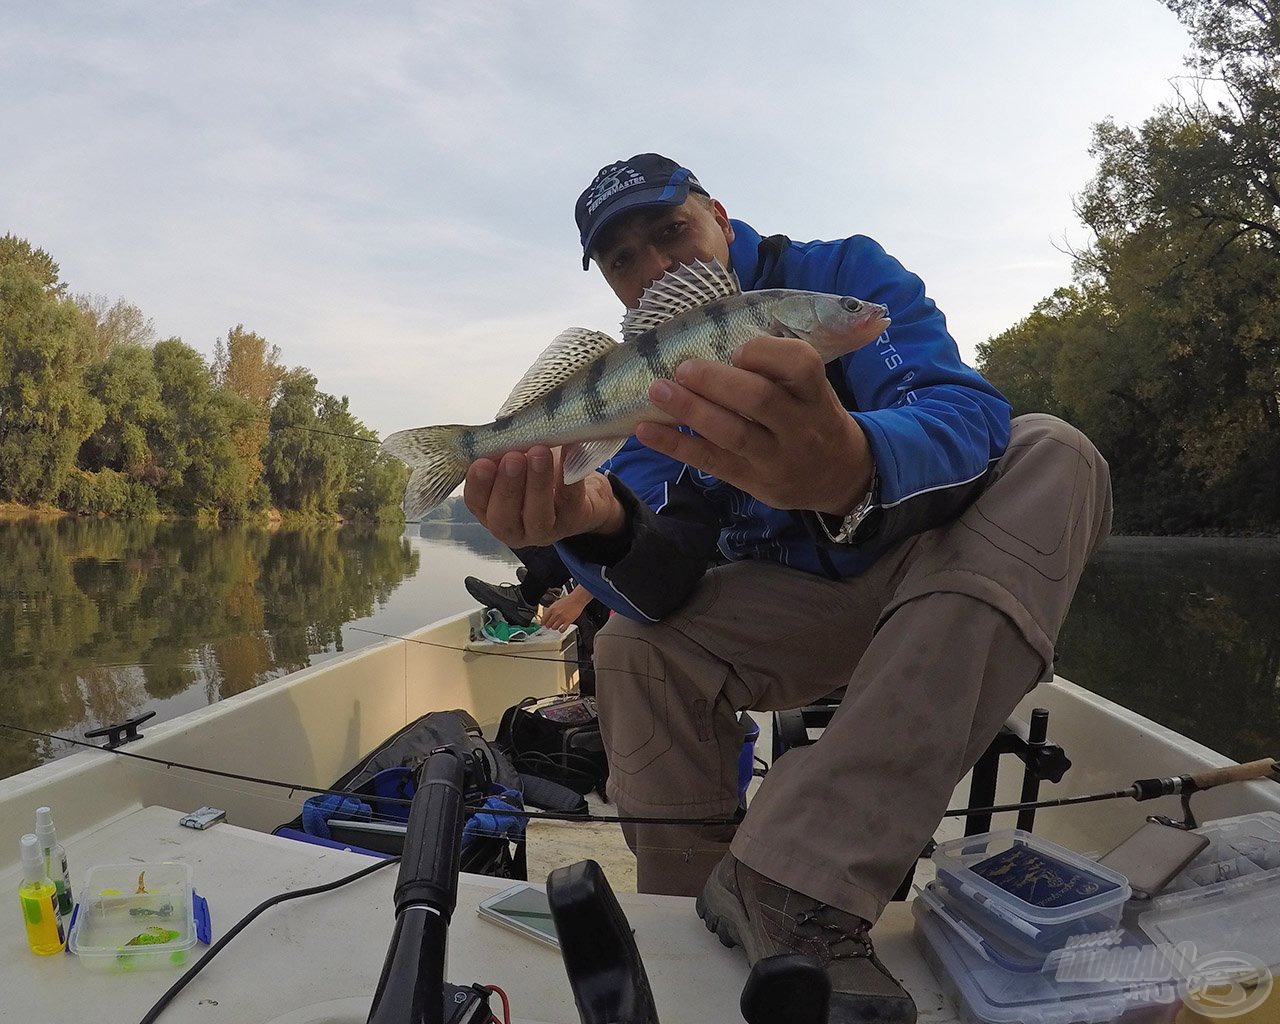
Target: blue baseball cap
647,179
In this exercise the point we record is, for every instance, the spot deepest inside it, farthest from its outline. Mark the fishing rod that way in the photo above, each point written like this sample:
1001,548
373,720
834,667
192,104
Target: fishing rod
1139,790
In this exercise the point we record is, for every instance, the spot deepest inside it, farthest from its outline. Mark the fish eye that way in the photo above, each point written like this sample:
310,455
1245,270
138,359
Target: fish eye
851,304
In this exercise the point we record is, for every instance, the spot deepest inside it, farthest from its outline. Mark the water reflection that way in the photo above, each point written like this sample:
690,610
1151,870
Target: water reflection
101,619
1186,631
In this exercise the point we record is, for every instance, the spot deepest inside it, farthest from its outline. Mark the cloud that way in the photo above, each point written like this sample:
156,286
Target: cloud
385,191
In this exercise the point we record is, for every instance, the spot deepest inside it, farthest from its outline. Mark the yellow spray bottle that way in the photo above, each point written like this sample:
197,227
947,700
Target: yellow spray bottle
39,901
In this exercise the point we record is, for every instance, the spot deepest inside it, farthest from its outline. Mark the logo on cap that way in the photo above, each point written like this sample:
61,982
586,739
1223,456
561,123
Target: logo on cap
610,182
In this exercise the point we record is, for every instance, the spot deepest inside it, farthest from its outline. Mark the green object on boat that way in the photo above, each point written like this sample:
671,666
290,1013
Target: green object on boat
152,936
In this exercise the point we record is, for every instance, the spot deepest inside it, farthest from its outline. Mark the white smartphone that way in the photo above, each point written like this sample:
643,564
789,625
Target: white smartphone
523,908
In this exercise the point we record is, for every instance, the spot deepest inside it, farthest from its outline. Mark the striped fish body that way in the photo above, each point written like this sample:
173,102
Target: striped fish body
587,393
610,396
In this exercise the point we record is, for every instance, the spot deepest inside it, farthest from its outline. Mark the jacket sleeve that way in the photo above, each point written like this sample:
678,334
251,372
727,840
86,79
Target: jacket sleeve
934,425
670,539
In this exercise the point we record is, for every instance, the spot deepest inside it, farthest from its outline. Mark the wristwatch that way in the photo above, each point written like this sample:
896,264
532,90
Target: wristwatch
841,531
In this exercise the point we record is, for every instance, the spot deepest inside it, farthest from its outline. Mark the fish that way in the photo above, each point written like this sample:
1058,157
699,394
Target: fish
587,392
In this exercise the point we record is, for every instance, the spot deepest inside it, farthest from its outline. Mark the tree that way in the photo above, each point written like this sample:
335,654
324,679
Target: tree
115,324
46,412
1175,372
200,468
17,253
305,467
126,385
244,365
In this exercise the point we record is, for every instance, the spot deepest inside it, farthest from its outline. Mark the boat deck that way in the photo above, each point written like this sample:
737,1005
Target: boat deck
318,959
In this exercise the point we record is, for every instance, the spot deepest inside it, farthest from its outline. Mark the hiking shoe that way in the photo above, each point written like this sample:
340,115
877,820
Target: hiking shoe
765,918
505,597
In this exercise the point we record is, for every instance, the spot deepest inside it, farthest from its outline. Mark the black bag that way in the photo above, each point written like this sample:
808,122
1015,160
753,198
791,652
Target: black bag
390,770
556,738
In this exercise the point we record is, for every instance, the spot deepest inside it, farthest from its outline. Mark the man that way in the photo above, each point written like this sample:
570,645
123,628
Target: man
885,529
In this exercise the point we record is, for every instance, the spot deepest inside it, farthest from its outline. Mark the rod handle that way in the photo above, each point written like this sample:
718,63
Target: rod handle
433,840
1211,777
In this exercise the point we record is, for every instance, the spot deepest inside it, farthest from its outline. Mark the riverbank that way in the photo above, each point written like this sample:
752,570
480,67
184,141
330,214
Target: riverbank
272,518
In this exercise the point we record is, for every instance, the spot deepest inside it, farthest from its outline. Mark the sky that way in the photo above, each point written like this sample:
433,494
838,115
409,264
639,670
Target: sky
385,190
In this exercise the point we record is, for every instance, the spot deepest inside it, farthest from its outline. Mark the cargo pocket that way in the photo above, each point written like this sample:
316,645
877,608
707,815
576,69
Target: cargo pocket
1034,512
663,744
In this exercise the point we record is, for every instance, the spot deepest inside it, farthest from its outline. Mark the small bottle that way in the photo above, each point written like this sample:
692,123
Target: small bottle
55,860
39,901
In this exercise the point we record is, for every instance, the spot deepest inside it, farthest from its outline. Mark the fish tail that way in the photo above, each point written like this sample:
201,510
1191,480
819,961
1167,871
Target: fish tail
438,467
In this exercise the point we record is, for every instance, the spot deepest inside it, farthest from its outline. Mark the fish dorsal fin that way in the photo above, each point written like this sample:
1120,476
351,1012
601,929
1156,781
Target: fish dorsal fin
687,287
571,350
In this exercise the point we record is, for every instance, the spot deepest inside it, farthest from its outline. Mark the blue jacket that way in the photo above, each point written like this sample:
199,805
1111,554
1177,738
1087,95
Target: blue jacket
935,428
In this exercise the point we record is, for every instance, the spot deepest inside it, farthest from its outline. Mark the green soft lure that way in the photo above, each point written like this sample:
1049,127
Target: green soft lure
152,936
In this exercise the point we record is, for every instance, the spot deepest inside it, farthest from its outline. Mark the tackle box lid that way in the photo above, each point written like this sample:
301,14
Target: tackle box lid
1029,882
1238,917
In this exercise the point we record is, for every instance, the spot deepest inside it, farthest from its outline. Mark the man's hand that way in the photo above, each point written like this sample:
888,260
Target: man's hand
769,424
522,499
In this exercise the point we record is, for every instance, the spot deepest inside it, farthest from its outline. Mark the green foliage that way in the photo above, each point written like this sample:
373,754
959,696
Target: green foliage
1167,353
107,493
306,467
126,386
16,254
46,411
97,418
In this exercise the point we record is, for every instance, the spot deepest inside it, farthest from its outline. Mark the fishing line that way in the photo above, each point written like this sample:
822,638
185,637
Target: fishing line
1143,789
482,650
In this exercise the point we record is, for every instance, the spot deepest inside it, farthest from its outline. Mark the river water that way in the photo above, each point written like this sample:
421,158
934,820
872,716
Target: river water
103,620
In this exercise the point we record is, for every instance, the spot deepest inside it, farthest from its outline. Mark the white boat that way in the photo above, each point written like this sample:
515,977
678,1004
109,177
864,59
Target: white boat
318,959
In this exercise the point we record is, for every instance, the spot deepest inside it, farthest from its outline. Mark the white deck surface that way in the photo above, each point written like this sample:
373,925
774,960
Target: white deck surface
318,959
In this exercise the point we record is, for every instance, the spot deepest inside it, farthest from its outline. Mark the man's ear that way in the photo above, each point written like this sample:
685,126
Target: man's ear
722,218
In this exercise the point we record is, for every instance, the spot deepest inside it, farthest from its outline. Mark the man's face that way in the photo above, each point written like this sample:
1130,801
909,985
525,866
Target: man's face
639,247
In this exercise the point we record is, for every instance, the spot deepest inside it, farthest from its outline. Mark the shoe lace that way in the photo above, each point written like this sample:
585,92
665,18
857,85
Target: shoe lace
834,934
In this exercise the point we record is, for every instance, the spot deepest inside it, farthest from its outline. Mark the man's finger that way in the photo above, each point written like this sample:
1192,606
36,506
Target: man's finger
506,499
539,496
693,451
719,414
792,364
479,486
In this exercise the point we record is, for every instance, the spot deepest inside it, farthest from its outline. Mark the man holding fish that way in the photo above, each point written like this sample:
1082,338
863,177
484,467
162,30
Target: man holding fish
883,527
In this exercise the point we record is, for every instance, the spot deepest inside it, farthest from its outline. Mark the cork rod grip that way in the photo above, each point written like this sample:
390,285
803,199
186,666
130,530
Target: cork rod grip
1235,773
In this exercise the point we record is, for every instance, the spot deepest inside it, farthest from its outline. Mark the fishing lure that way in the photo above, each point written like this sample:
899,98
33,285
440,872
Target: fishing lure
152,936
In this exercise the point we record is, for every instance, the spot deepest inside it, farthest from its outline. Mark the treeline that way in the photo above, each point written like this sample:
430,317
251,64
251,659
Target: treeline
1166,348
97,416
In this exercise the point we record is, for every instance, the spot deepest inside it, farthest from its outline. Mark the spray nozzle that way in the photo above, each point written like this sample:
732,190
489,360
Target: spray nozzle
44,828
32,858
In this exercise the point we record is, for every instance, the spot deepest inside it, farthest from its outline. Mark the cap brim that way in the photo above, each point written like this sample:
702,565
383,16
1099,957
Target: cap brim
657,195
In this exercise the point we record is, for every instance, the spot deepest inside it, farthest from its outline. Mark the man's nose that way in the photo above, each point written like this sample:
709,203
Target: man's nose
656,263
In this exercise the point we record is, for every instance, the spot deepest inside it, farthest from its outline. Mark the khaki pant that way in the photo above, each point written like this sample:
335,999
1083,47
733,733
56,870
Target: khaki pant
937,642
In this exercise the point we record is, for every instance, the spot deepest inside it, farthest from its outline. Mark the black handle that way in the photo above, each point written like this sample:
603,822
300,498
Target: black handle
411,988
600,957
790,987
433,841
